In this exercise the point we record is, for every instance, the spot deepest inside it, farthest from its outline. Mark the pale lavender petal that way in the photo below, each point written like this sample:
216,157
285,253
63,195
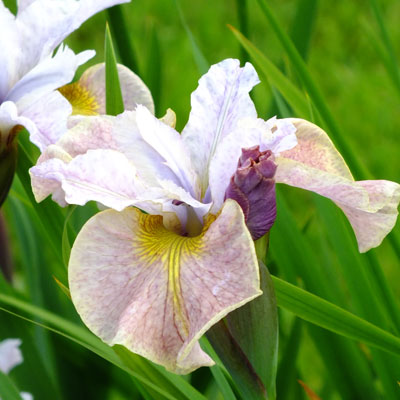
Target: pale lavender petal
134,91
371,225
44,24
136,284
10,52
316,165
9,118
51,124
105,176
119,133
220,101
10,354
168,143
50,74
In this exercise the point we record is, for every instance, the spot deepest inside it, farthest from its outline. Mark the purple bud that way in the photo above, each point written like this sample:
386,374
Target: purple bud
253,187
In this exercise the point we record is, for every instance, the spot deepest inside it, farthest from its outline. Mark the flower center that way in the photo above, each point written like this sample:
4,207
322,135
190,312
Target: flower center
82,101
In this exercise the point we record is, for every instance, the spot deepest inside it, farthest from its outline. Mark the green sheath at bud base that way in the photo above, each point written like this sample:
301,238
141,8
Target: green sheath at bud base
8,164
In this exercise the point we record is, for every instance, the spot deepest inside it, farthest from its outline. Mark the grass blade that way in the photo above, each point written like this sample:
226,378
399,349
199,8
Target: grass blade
114,100
8,390
122,38
320,312
200,60
292,94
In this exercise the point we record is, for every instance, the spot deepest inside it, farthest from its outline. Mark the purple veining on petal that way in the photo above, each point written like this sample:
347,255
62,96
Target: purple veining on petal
253,187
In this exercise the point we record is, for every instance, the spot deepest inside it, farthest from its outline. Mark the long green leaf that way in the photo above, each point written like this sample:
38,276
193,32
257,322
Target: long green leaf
123,42
320,312
114,100
314,92
86,339
276,78
8,390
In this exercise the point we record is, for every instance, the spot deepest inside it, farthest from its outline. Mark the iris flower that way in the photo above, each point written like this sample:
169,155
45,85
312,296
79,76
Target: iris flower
10,357
175,253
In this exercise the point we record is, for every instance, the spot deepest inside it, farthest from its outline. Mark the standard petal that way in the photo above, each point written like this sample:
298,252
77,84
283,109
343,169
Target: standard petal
168,143
134,91
10,354
50,74
314,164
10,52
220,101
137,284
44,24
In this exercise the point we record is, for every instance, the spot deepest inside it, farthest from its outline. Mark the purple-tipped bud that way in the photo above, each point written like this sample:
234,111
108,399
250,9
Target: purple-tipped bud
253,187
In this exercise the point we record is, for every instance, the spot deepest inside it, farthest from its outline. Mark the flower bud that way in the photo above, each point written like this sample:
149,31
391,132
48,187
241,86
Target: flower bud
253,187
8,164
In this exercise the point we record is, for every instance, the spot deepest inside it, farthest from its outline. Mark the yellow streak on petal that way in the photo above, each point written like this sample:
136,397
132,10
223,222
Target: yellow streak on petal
82,101
158,243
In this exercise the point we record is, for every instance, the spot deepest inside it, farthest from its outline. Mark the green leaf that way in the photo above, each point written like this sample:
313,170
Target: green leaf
84,338
391,61
199,58
320,312
114,100
65,243
314,92
274,76
255,328
218,371
247,343
121,34
8,390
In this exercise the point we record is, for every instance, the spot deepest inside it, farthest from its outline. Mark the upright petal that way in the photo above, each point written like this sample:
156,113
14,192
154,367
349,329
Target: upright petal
50,74
10,52
136,284
10,354
44,24
168,143
315,164
221,99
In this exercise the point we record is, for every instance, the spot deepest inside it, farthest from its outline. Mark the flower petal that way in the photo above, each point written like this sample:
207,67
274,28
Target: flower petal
136,284
44,24
50,74
10,354
119,133
134,91
48,126
221,99
10,51
168,143
9,118
105,176
315,164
